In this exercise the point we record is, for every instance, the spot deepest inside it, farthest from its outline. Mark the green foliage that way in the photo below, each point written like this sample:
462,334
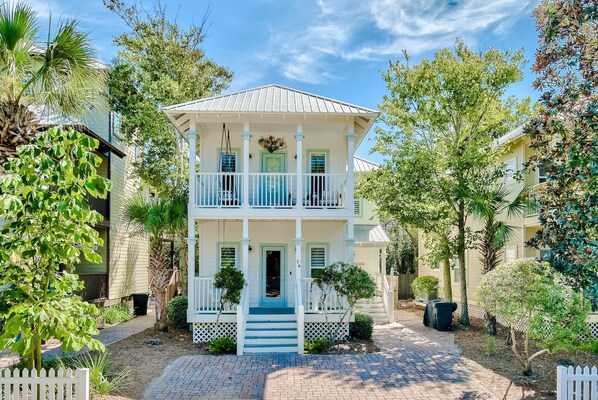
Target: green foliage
159,64
177,311
44,196
103,378
117,314
565,139
223,345
401,252
61,74
491,345
528,293
362,328
443,117
425,284
349,281
317,346
231,281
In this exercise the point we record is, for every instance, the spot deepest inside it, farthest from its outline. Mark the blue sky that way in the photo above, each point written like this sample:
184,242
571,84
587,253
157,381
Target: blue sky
334,48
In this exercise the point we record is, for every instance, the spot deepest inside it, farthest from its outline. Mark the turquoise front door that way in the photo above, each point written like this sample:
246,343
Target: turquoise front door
273,273
273,184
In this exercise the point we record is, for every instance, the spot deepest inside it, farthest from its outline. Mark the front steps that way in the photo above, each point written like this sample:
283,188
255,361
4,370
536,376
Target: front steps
374,308
271,333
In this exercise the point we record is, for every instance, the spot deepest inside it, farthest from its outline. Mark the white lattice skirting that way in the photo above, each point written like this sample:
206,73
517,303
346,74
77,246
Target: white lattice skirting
206,331
318,330
478,312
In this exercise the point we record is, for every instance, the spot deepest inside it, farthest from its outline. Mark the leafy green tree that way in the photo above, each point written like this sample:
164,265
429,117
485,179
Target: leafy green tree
565,136
443,116
57,72
401,253
529,295
159,64
160,218
44,195
491,205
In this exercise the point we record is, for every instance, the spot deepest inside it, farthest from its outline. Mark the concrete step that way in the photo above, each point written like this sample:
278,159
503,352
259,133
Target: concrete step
270,332
271,317
269,325
270,341
259,349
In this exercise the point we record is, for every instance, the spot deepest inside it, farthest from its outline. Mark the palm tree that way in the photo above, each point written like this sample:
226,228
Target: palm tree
488,206
159,218
57,74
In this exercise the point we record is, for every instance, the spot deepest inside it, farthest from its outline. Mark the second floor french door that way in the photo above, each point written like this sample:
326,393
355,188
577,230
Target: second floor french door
273,188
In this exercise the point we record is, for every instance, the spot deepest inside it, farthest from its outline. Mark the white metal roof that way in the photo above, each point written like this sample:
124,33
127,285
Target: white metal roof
514,134
271,99
363,165
370,234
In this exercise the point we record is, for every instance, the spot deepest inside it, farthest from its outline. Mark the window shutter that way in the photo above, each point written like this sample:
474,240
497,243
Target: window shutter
357,207
228,162
318,257
228,256
318,163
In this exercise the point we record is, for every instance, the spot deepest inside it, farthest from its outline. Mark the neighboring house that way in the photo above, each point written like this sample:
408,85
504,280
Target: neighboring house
370,250
277,216
517,150
124,258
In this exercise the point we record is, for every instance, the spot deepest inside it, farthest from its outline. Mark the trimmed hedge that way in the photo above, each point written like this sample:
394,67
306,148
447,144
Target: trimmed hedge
177,312
362,328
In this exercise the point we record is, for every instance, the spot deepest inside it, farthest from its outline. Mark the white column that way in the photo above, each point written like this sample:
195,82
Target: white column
246,135
299,137
350,192
298,249
191,241
245,249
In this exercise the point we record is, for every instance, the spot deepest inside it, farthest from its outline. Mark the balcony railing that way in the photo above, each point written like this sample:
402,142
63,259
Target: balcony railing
316,300
270,190
207,297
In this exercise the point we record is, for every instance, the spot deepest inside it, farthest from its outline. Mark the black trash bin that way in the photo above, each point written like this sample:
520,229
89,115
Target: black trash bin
444,315
430,314
140,303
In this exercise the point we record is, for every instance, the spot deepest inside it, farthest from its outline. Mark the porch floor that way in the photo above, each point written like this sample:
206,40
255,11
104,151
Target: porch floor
269,311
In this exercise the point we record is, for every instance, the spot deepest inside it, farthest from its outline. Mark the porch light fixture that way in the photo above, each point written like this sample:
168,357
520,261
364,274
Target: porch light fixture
250,248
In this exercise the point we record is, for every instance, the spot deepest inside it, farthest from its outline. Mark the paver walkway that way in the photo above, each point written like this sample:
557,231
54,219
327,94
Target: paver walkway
107,336
409,366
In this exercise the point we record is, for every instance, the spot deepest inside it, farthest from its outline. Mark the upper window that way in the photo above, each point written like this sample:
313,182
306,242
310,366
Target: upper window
510,169
317,259
317,163
228,162
541,174
228,256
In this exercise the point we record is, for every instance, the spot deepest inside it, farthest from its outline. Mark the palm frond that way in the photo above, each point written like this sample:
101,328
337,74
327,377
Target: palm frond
17,25
502,234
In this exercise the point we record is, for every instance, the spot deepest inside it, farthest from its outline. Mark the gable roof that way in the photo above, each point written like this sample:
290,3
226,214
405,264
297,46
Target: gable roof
363,165
511,136
272,99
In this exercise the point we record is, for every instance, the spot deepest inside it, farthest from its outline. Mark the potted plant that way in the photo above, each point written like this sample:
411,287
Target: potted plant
272,144
425,288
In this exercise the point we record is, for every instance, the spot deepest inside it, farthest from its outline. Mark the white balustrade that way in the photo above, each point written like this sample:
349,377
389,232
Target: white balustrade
207,297
315,302
272,189
387,296
219,189
325,190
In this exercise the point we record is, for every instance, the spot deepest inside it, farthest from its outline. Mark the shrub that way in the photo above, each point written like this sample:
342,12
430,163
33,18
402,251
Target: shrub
223,345
117,314
231,281
491,345
425,284
317,346
362,328
177,312
103,379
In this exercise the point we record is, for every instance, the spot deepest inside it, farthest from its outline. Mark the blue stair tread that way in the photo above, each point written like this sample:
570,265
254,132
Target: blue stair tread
270,329
270,337
265,321
274,311
266,346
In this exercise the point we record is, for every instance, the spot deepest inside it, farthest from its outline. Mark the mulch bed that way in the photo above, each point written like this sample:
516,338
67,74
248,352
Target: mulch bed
353,347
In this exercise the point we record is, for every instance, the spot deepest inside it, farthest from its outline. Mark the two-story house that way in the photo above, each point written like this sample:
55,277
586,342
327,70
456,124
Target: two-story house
277,215
124,265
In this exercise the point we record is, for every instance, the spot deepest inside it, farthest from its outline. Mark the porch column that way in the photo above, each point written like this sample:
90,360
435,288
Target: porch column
246,135
298,249
350,192
245,249
299,137
191,241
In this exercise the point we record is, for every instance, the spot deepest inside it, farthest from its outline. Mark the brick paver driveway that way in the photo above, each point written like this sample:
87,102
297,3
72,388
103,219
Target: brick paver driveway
409,366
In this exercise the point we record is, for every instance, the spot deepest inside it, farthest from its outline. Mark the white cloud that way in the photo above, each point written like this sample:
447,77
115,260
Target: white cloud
376,29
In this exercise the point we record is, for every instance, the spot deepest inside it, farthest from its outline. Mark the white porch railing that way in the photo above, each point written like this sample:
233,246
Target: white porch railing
242,312
313,299
51,384
300,315
219,189
325,190
576,384
207,297
387,295
272,189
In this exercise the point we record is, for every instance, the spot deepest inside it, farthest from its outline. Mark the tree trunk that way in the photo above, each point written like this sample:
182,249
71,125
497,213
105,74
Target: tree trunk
490,323
446,280
160,272
18,126
462,273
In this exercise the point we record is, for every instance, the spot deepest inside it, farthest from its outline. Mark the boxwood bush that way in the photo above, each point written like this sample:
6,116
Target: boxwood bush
177,311
426,284
362,328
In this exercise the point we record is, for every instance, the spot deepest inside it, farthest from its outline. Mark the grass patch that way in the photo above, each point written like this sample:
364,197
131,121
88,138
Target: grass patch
117,314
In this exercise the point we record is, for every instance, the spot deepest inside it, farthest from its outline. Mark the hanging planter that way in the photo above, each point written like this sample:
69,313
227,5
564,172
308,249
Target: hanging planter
272,144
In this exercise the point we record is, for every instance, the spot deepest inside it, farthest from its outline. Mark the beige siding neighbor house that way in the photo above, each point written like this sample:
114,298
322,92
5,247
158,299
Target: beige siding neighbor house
123,270
277,214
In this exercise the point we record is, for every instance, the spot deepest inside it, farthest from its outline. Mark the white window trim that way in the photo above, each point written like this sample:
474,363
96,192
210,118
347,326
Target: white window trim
238,161
310,153
326,254
219,253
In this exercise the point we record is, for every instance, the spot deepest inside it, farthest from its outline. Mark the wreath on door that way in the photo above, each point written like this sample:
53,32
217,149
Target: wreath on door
272,144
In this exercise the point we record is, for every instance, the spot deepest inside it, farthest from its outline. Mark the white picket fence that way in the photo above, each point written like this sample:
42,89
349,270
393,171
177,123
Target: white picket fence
48,385
576,384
